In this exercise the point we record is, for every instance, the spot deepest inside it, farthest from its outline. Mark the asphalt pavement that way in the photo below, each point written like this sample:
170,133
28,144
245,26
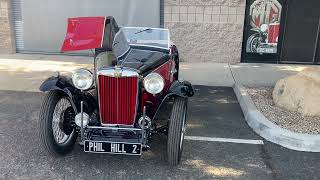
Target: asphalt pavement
213,113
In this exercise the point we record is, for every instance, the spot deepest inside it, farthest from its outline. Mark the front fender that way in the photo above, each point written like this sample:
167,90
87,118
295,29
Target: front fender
58,83
178,88
62,84
181,88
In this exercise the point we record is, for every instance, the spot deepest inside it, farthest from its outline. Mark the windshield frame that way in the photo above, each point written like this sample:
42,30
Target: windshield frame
145,45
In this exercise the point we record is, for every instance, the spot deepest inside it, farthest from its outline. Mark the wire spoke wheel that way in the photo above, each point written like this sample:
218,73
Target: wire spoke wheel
254,44
56,132
57,121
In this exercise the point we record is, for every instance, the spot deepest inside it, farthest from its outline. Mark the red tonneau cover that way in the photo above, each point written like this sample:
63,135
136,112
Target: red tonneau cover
84,33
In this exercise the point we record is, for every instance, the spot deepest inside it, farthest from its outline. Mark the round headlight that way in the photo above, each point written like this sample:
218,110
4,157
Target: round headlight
82,79
153,83
264,27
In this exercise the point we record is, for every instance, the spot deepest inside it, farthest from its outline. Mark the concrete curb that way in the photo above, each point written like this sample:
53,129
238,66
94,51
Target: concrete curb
271,132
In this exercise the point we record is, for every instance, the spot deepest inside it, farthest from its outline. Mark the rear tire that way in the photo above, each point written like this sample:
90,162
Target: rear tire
177,126
47,136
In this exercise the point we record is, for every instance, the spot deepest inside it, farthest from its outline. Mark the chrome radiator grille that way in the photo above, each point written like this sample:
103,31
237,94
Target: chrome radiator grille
117,97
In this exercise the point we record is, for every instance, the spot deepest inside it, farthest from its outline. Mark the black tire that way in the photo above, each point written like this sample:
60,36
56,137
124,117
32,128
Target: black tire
176,130
45,126
252,43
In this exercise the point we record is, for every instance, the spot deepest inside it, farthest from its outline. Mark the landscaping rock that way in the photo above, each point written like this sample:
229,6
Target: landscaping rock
300,92
291,120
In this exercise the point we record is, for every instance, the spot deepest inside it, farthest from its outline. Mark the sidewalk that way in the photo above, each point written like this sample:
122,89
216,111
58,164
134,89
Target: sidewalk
257,74
26,72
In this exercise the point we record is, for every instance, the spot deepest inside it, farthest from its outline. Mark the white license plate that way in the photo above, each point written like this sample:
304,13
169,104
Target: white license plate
112,147
266,50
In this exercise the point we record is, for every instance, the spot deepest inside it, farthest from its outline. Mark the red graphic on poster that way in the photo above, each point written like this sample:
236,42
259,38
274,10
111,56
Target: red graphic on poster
264,23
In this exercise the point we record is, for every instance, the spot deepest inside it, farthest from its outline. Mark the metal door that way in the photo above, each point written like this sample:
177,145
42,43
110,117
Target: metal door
301,33
40,25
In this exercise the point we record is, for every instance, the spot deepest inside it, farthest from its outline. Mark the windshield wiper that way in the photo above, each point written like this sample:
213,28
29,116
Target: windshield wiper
141,60
147,29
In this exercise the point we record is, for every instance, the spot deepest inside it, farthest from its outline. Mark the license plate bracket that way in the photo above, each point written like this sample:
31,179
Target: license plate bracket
112,147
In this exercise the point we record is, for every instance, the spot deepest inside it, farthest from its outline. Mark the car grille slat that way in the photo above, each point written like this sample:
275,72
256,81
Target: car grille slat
118,99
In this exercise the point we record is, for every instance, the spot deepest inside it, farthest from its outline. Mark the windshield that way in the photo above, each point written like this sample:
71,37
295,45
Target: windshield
140,36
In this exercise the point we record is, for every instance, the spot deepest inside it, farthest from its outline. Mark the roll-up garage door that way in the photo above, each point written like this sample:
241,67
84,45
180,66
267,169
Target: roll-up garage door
40,25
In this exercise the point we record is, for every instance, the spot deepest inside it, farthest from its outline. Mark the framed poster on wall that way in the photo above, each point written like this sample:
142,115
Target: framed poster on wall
262,31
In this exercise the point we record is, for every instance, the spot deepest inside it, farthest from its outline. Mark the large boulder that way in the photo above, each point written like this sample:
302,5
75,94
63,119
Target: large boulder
300,92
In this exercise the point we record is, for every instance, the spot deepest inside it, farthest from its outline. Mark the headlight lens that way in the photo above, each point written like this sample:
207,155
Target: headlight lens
264,27
86,118
82,79
153,83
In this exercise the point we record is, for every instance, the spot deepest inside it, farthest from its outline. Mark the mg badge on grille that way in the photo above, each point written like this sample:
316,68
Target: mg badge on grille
117,72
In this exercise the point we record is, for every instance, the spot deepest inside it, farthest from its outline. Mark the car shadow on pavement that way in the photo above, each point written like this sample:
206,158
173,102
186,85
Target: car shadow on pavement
22,157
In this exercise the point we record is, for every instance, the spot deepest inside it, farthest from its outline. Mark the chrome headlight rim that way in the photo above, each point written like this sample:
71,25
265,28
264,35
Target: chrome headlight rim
153,78
85,73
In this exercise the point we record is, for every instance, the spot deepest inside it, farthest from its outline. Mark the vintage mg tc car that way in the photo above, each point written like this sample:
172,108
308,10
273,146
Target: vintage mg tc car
114,107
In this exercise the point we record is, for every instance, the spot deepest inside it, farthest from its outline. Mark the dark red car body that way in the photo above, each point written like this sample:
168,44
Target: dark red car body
118,100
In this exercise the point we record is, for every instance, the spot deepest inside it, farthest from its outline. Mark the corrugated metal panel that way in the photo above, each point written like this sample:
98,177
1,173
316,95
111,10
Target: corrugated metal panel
18,24
161,13
43,30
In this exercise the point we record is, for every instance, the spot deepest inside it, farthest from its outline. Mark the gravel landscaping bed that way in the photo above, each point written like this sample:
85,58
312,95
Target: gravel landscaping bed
294,121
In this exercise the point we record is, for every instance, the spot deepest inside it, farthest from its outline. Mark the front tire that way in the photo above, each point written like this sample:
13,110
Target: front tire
177,126
252,43
56,135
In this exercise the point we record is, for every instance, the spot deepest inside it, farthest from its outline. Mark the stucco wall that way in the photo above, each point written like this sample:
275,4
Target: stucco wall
6,36
206,30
